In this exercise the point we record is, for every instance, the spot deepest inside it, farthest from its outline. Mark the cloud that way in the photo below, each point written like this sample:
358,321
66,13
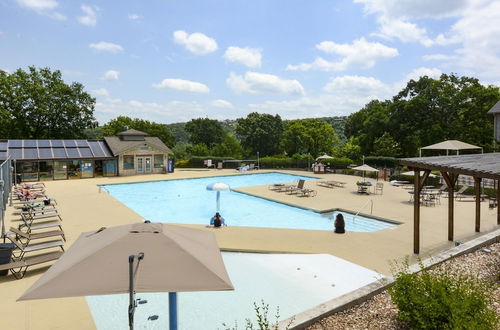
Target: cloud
360,54
197,43
222,104
43,7
104,46
358,86
101,92
134,17
404,31
183,85
90,17
413,8
434,73
255,83
111,75
250,57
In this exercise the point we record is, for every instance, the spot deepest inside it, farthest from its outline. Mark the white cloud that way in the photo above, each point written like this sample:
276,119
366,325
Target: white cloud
111,75
404,31
434,73
254,83
101,92
43,7
360,54
104,46
358,86
134,17
197,43
250,57
222,104
413,8
90,15
183,85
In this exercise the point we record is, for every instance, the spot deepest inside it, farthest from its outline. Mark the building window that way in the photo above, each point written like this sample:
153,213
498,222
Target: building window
158,161
128,162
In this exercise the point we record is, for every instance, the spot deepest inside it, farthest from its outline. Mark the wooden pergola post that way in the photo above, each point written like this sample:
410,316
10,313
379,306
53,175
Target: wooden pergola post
450,180
498,201
419,183
477,190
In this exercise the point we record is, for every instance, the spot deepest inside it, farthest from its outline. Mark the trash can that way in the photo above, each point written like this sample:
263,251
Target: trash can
5,255
19,178
170,165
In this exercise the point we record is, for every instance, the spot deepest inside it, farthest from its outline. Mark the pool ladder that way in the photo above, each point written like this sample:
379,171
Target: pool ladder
362,207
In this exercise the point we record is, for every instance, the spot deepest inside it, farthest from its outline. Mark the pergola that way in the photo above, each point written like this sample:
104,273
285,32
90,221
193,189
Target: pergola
478,166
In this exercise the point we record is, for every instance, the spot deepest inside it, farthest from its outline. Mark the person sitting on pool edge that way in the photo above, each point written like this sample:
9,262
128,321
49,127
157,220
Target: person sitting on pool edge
217,221
339,224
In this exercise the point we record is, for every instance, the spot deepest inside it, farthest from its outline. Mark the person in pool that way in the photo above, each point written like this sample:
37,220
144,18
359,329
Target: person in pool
217,221
339,224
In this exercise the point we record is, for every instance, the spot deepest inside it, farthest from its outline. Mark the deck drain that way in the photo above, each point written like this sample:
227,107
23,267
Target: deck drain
153,318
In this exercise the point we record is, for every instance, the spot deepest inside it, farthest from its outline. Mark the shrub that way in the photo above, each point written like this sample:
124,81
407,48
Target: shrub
283,162
377,161
442,300
263,321
337,163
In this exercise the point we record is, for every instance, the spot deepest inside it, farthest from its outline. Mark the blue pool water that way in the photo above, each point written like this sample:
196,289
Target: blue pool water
187,201
292,282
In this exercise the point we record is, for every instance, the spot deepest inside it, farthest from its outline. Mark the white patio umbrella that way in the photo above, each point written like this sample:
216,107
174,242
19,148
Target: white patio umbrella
365,168
218,186
325,156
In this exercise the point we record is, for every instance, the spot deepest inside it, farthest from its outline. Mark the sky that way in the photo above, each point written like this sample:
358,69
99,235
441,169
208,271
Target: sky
172,61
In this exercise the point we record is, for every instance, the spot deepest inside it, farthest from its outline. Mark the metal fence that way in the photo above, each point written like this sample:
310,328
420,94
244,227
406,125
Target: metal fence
5,189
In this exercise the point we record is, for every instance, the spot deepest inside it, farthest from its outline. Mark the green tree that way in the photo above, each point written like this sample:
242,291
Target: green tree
229,147
199,149
312,136
386,146
260,133
38,104
205,131
122,123
350,150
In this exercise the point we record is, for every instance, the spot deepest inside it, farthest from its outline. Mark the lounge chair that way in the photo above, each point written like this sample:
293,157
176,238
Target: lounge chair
18,267
307,193
21,249
295,189
25,238
326,184
460,193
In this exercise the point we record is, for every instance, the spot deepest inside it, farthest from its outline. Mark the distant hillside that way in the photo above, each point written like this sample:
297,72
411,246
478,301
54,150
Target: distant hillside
180,134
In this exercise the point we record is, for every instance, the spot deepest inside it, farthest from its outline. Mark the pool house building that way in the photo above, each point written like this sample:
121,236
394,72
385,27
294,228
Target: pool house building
131,152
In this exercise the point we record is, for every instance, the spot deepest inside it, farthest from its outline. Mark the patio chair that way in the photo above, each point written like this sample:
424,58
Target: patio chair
18,267
295,189
219,165
379,187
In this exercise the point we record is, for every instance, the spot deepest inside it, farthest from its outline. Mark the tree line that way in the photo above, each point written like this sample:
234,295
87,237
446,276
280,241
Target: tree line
38,104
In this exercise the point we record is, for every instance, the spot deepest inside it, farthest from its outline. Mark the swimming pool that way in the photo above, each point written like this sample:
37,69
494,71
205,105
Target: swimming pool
187,201
294,282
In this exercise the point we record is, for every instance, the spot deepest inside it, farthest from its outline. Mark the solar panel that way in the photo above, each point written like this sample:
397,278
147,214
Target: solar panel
57,143
29,143
43,143
30,153
15,143
69,143
81,143
3,154
3,146
59,152
16,153
86,152
45,153
73,153
96,149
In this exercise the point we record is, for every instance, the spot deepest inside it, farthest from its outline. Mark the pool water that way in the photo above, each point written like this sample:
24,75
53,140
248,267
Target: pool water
292,282
187,201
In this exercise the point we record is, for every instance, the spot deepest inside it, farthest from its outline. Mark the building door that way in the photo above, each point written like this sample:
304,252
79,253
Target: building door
140,165
147,165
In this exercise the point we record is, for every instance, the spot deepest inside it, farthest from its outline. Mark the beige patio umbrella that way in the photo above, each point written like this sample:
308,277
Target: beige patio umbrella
365,168
447,145
412,173
176,259
325,156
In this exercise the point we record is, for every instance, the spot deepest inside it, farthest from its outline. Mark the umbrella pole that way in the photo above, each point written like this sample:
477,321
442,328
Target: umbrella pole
218,201
172,310
131,305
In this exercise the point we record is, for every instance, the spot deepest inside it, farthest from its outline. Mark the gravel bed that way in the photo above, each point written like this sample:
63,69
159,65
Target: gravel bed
379,312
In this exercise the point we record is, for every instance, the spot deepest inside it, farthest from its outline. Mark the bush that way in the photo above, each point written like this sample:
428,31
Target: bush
442,300
377,161
337,163
283,162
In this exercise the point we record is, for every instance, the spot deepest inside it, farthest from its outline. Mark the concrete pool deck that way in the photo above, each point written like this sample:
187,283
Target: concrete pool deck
85,208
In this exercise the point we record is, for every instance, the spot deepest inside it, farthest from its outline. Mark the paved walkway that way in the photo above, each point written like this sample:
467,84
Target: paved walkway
85,208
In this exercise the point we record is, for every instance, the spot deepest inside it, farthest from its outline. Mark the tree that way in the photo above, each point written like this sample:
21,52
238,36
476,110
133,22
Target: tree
205,131
386,146
122,123
260,133
308,136
229,147
350,150
38,104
